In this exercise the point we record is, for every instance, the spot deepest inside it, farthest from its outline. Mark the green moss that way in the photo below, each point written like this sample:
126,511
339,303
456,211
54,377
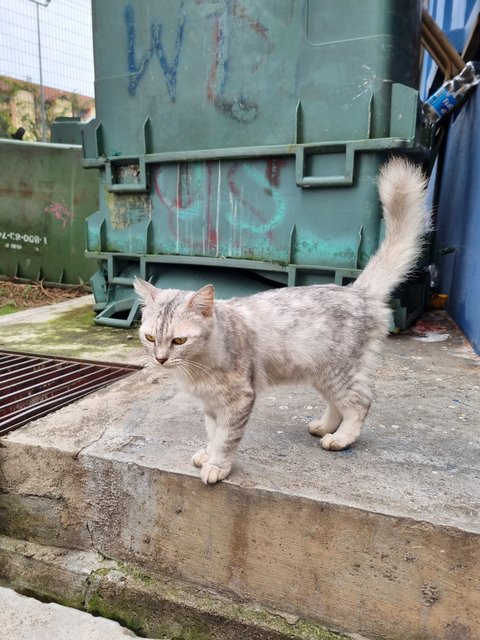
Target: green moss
7,308
99,606
102,572
195,633
146,623
72,333
43,594
155,607
151,606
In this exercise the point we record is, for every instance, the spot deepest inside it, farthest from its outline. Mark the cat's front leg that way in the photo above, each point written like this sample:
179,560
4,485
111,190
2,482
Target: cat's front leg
203,455
200,457
223,439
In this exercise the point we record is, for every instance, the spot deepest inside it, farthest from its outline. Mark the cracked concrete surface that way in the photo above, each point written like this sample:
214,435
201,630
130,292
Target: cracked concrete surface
380,540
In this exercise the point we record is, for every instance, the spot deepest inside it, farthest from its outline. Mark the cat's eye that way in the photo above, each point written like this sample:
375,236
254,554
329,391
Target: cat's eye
179,341
149,337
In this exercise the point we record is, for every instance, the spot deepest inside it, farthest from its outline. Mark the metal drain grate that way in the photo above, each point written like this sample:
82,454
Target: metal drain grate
32,386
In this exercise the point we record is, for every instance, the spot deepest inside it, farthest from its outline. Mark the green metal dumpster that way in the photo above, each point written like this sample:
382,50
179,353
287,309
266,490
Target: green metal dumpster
45,197
239,142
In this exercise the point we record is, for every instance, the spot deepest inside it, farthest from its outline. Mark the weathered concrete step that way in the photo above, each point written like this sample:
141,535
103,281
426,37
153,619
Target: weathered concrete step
25,618
143,602
381,540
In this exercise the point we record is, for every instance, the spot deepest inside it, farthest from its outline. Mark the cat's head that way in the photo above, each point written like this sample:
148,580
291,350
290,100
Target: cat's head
176,325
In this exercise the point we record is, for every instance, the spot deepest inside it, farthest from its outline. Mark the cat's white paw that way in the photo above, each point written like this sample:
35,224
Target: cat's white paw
331,443
319,428
211,473
200,458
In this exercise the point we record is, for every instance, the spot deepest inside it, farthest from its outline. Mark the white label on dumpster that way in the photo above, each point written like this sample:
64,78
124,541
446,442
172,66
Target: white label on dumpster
22,237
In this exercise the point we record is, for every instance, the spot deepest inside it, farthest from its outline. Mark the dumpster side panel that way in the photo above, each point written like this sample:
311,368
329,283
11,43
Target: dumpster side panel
45,197
250,210
239,142
213,75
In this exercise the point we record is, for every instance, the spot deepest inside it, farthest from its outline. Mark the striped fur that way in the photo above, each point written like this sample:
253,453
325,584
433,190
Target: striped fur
327,337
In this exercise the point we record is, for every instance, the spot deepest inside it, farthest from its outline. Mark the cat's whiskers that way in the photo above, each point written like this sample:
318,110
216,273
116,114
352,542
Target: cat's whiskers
192,372
199,365
179,364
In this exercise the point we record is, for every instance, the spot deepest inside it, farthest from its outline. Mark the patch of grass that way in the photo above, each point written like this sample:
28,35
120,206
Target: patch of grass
7,308
72,333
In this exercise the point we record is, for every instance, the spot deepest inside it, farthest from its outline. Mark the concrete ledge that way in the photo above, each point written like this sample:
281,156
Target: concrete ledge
381,540
143,602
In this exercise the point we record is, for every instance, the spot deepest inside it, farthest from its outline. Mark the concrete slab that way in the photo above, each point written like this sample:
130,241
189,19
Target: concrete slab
47,312
151,604
25,618
67,329
381,539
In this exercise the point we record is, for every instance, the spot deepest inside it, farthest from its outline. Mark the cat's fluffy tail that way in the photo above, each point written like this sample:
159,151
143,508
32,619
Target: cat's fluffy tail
401,186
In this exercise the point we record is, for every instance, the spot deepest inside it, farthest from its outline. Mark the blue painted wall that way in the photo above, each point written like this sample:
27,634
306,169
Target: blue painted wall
458,219
457,179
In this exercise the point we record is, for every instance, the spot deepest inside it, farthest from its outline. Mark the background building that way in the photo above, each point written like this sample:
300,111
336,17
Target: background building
46,64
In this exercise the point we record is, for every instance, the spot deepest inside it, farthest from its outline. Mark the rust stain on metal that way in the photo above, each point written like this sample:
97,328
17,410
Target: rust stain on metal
35,385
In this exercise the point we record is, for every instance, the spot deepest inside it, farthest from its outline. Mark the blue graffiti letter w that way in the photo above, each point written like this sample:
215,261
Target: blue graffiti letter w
156,48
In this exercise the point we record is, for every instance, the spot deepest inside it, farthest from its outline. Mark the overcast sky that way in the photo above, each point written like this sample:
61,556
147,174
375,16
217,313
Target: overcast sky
66,39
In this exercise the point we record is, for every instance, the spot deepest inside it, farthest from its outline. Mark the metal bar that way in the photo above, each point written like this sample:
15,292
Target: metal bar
43,368
50,404
40,373
234,263
42,91
59,388
372,144
33,386
13,360
35,409
100,363
71,375
21,364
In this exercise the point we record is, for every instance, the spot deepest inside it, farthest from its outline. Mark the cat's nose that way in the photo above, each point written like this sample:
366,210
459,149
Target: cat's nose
161,360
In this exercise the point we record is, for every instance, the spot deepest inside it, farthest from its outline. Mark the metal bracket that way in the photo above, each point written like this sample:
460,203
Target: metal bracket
345,179
105,318
137,165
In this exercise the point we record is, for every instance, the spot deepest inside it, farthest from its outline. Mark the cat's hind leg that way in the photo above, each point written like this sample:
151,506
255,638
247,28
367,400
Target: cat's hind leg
352,395
328,423
349,429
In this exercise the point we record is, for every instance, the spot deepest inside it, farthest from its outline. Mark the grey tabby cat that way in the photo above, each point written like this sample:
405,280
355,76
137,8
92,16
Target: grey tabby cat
225,352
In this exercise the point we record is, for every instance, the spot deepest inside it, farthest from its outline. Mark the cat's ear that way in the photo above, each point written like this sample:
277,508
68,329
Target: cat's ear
202,301
144,290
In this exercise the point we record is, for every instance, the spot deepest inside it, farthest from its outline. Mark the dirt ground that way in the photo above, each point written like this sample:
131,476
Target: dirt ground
15,295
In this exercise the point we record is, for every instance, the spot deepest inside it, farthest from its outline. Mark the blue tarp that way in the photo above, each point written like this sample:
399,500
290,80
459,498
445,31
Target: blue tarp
457,176
458,219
